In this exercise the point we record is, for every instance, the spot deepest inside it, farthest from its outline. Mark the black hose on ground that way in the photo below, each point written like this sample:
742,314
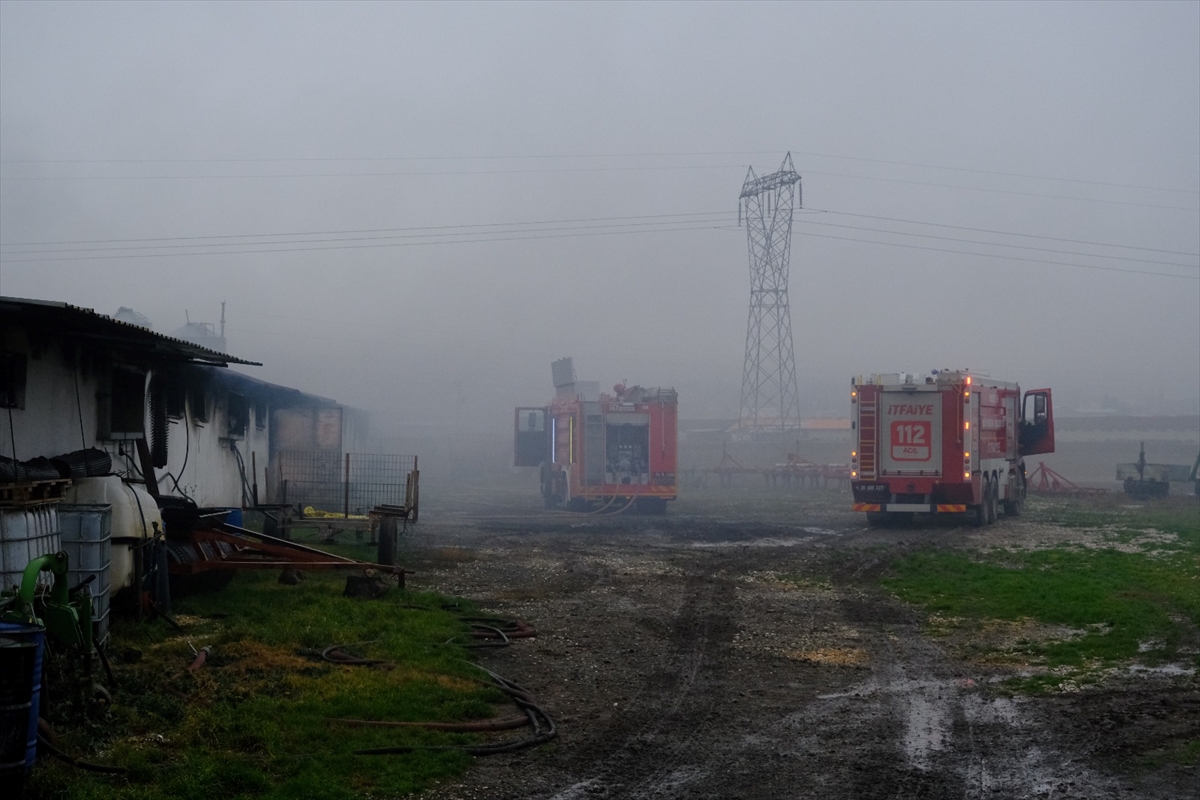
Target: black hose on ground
544,728
543,725
106,769
336,655
491,636
112,679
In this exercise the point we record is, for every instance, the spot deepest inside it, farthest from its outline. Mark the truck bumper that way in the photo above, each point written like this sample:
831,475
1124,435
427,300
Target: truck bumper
913,508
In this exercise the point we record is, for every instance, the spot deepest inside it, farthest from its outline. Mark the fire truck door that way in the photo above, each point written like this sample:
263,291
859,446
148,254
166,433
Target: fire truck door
1037,423
531,437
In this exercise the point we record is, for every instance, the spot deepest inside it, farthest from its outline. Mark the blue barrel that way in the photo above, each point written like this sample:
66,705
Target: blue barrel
235,517
21,647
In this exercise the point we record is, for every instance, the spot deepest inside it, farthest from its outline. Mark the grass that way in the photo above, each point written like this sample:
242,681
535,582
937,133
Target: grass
1109,606
254,721
1123,519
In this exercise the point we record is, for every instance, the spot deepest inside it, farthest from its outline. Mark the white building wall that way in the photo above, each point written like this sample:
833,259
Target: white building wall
49,425
201,459
61,397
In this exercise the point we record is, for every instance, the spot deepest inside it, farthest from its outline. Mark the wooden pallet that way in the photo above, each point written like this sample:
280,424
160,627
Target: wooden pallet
33,492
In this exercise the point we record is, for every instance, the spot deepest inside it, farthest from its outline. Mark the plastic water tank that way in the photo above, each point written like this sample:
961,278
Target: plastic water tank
25,534
134,517
87,540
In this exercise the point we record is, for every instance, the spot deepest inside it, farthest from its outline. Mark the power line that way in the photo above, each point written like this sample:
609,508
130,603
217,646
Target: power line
1005,191
999,244
376,230
692,227
1004,233
688,227
576,170
526,228
578,220
722,153
450,232
1006,258
1009,174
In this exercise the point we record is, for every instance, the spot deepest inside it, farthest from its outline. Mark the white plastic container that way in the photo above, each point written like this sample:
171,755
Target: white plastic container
135,516
27,532
87,539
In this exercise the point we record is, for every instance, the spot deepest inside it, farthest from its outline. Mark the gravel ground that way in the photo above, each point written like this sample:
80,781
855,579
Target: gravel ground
744,650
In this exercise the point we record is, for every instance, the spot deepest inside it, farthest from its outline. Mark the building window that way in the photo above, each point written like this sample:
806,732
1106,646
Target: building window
175,396
260,415
198,401
127,404
12,380
239,415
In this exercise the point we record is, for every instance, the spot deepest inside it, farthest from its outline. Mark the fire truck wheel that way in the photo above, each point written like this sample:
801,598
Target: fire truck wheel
1014,508
977,515
989,500
651,505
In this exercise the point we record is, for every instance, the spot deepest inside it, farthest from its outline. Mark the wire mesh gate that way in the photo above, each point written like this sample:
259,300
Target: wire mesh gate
351,483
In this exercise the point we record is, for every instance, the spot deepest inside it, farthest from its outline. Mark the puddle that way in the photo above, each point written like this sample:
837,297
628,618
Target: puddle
1166,669
926,723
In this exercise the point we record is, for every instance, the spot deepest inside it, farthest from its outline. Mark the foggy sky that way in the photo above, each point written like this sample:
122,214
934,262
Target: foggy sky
1075,122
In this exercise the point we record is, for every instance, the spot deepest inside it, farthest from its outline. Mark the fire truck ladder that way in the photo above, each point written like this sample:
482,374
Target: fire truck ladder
866,438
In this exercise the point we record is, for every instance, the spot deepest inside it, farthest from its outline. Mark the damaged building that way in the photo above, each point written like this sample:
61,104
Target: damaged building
81,391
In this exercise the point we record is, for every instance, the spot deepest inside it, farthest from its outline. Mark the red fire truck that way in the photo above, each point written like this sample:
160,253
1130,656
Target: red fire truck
603,452
951,442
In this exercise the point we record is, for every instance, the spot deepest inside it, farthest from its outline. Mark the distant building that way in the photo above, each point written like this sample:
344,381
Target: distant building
126,314
202,333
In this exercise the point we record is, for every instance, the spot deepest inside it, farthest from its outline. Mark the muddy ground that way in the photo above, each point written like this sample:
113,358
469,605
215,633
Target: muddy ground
742,648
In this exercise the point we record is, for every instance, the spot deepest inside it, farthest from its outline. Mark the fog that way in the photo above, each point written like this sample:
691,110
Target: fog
171,156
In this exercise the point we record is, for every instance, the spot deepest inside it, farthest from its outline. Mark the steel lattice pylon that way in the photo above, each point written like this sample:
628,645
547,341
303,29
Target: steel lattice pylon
769,398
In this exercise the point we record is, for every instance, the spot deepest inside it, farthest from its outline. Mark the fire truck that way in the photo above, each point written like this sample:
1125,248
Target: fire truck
598,451
950,443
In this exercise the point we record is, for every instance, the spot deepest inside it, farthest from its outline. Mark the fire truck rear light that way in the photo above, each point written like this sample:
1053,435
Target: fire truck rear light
968,380
853,474
966,396
966,454
967,475
967,426
854,394
853,453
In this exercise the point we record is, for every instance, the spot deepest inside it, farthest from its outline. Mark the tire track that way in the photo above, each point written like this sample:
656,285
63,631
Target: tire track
655,754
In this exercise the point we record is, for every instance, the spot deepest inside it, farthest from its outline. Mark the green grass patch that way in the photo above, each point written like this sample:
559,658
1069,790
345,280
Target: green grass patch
1124,519
254,721
1120,604
1068,612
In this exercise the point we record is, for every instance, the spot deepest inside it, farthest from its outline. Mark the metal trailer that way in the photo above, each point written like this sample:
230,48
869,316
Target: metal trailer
950,443
598,451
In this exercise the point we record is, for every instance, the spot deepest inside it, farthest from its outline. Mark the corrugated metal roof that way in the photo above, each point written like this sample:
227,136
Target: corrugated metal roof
65,319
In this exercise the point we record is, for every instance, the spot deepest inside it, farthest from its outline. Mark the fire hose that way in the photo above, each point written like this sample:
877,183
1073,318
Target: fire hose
544,728
543,725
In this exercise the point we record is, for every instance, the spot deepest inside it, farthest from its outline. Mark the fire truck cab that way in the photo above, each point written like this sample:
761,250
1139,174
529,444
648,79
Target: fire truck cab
950,443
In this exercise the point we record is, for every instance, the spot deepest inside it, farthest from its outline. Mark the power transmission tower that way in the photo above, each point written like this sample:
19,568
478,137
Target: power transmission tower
769,398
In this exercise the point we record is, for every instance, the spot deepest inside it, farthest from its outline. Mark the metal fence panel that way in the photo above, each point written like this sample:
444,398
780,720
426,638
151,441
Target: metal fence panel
330,481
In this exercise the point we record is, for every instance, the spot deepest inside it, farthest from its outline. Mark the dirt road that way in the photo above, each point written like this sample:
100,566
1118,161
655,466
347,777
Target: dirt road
734,654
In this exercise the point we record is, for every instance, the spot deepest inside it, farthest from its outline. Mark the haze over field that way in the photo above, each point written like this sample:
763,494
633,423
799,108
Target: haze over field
414,208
